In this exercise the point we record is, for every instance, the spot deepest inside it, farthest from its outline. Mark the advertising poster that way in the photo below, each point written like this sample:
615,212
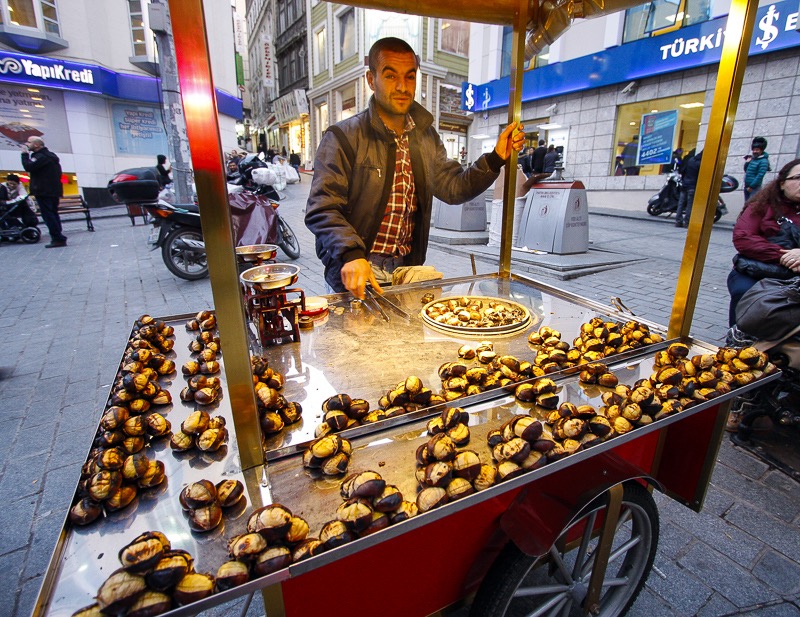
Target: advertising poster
656,137
138,129
32,112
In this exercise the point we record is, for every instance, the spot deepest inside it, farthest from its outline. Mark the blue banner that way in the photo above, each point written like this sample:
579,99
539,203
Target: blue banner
63,75
690,47
656,136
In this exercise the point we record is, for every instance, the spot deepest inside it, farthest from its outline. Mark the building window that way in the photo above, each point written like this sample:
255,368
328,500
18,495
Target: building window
540,59
321,49
663,16
137,27
454,36
346,26
347,101
39,14
321,113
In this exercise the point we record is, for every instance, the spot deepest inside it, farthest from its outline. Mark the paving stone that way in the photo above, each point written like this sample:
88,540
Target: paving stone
779,573
47,530
58,490
776,610
783,504
717,606
717,501
650,604
22,478
776,534
15,521
27,597
685,593
673,540
11,567
732,581
741,460
34,441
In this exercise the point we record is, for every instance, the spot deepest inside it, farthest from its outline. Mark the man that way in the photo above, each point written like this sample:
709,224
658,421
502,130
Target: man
689,177
45,171
629,153
526,162
376,173
294,161
538,158
550,159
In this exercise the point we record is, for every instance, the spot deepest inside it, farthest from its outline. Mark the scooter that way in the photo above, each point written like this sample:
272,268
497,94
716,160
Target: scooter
18,222
666,200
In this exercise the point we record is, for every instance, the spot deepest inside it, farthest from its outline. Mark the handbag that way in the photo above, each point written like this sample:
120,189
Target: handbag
788,237
770,309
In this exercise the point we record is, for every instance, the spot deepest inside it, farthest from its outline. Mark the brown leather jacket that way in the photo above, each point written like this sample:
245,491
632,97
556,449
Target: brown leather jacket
347,201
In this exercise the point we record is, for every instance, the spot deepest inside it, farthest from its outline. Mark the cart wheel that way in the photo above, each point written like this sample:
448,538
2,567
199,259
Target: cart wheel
31,235
556,584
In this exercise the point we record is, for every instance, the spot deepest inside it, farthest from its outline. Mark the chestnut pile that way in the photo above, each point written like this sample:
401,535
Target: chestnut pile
369,505
204,320
474,312
407,396
446,473
203,502
454,422
275,538
329,454
464,378
117,468
153,579
200,430
274,410
202,390
597,339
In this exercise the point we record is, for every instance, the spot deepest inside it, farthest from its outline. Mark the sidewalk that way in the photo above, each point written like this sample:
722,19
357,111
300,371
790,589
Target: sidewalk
66,315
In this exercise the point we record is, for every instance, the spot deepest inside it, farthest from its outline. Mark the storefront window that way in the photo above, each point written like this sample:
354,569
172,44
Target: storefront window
346,25
347,101
454,36
629,118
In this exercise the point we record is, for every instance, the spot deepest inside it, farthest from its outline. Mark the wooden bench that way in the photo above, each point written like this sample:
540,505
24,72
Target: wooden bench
73,204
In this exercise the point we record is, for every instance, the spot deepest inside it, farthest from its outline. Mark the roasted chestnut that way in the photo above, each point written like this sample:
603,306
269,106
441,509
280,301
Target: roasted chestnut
367,484
272,560
206,518
198,495
121,498
85,511
335,533
196,423
119,591
229,492
232,574
430,498
247,546
458,488
406,510
193,587
271,521
389,500
298,530
211,439
170,569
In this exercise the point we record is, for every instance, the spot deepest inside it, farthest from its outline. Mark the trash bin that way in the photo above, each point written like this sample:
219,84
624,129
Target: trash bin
469,216
555,218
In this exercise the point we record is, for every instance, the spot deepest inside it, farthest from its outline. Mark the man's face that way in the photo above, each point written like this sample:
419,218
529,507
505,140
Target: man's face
757,151
394,82
12,184
33,145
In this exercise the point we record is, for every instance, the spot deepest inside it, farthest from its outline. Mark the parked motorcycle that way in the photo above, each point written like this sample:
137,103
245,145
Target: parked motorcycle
177,230
666,200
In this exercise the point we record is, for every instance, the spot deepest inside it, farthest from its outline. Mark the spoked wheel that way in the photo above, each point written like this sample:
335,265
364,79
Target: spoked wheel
184,262
556,584
287,240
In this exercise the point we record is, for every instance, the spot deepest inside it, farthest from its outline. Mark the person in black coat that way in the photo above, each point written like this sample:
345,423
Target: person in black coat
526,162
688,185
44,168
163,173
538,158
550,159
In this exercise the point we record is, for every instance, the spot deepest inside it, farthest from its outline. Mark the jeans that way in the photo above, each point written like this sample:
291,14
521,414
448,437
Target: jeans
749,192
738,284
48,207
684,205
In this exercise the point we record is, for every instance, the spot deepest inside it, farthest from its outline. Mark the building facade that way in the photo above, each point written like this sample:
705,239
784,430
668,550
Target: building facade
340,37
643,79
92,92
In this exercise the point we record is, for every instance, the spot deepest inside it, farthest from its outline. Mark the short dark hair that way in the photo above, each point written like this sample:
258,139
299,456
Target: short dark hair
12,178
389,43
759,142
541,142
161,159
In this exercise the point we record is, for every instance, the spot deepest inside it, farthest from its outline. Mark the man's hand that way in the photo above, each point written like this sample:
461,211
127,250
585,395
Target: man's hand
355,276
512,138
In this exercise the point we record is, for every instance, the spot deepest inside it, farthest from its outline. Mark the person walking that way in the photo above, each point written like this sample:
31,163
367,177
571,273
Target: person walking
550,159
688,187
756,168
44,168
371,219
163,171
526,162
294,161
629,153
538,158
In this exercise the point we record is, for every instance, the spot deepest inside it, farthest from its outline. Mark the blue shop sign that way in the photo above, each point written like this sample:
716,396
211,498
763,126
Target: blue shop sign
41,71
690,47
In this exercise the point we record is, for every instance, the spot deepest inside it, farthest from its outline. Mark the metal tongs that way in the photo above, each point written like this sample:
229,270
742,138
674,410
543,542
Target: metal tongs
391,305
372,298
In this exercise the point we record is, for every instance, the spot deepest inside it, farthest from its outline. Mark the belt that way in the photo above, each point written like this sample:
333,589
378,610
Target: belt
386,262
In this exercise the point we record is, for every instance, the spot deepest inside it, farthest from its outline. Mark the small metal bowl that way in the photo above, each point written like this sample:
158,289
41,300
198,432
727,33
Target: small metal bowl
256,252
270,276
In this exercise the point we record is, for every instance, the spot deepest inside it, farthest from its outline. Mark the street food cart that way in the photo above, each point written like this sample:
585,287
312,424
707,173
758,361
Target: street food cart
555,513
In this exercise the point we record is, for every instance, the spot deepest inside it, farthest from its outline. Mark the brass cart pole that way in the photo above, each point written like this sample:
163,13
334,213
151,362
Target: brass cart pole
202,126
521,18
739,30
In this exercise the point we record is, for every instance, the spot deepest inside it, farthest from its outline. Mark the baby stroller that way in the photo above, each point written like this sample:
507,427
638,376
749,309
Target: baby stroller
18,222
767,318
